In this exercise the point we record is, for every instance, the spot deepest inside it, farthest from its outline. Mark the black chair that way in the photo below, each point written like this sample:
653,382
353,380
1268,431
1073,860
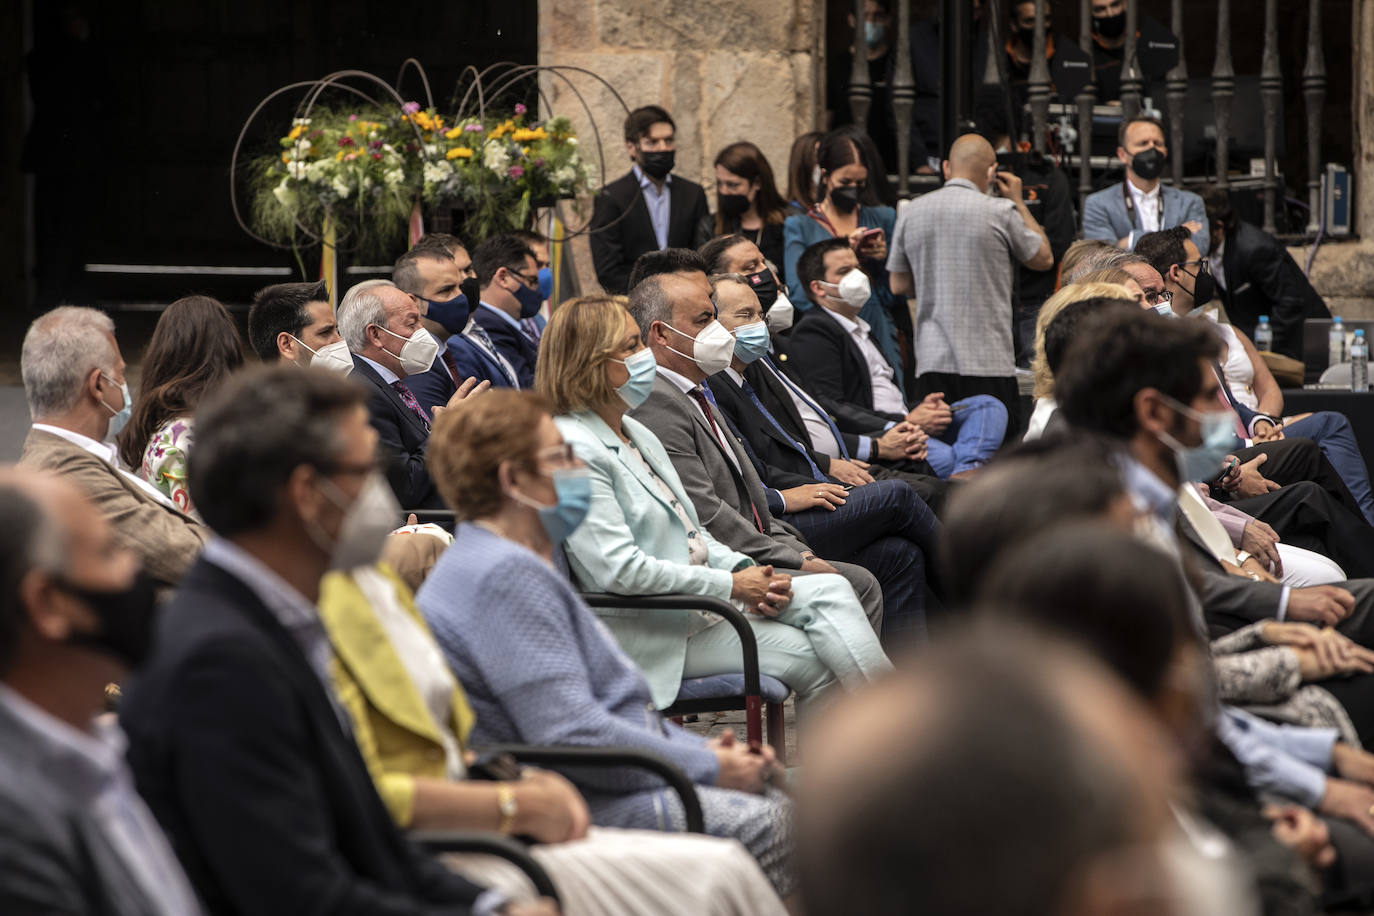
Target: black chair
437,842
749,690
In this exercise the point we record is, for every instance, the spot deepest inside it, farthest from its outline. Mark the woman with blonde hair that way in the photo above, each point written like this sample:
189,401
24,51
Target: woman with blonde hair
642,535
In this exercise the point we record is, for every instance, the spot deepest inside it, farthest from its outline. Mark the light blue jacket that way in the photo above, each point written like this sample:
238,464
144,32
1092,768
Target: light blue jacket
632,543
1105,216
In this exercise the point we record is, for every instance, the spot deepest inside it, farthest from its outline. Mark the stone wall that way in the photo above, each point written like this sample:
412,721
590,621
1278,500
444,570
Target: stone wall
1343,272
726,70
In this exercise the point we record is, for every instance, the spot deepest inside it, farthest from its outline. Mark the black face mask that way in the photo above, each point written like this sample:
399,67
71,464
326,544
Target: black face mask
1148,164
765,287
846,199
733,206
472,291
657,164
126,616
1204,287
1110,26
1025,36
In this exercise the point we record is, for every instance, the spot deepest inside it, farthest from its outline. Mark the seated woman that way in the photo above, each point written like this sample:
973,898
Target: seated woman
537,664
411,720
194,347
642,535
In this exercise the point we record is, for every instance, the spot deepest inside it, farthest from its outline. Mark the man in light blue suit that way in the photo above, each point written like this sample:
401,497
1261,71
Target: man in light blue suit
1123,212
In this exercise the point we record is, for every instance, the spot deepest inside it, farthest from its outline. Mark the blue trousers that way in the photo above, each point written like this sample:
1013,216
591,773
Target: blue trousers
887,529
979,424
1333,435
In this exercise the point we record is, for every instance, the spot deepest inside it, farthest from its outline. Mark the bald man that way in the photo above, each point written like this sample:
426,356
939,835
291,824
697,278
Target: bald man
952,250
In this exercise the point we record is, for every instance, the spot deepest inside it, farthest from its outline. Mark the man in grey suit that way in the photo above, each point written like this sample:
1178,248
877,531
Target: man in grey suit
76,613
725,489
1123,212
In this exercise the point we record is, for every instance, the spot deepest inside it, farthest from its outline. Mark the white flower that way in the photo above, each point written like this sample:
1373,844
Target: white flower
298,170
437,172
303,122
496,158
565,176
341,188
571,141
284,195
431,149
393,177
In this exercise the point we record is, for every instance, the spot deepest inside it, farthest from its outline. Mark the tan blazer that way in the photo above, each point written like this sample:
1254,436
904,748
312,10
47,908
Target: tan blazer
165,539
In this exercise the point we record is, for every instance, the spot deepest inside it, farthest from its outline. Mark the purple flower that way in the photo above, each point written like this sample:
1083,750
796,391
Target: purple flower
475,128
410,107
352,117
375,144
520,109
516,171
538,162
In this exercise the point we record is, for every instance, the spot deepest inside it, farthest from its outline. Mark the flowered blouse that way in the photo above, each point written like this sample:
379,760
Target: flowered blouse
164,461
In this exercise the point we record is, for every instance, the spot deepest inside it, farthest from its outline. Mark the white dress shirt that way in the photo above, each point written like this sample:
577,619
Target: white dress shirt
887,397
1217,261
386,374
1147,206
108,453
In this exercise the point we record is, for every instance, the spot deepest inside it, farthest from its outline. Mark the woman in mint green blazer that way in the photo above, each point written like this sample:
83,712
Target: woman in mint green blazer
642,535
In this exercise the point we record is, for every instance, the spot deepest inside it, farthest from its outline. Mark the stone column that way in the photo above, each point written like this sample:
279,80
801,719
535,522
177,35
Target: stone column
726,70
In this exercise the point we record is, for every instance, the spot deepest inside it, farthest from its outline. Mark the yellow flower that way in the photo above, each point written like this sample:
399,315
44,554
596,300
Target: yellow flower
296,132
285,158
338,157
453,134
459,152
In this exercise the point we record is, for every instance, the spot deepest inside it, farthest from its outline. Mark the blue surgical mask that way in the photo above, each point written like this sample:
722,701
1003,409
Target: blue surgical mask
451,315
119,418
752,341
874,33
573,487
1164,310
643,368
545,283
1202,462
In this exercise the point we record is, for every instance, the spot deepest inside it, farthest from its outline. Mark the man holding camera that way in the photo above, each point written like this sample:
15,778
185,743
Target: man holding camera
952,250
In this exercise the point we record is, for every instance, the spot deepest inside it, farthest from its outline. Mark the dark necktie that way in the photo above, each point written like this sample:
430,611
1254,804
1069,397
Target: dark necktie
1230,401
408,399
507,369
834,430
451,366
796,446
704,401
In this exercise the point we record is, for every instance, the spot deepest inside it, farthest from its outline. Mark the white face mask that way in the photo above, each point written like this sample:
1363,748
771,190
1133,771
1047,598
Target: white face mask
853,289
780,315
366,523
712,348
332,357
418,352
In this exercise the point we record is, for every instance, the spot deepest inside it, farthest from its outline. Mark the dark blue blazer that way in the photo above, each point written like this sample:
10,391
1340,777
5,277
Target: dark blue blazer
402,437
473,362
433,388
512,343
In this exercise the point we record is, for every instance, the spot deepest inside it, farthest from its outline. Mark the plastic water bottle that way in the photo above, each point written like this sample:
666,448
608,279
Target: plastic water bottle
1359,363
1335,343
1264,335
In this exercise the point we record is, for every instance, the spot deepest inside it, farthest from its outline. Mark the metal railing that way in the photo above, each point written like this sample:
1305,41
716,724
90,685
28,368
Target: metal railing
1040,89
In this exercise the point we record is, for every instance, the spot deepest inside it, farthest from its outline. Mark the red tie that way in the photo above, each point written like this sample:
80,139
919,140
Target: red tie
700,398
451,366
408,399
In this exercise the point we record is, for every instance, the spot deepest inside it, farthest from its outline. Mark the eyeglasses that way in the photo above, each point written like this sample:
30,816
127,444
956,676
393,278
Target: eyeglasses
1203,264
1156,296
557,456
531,283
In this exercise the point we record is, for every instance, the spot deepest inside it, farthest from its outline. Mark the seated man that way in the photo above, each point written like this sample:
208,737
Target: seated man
434,275
884,528
381,325
832,351
1187,276
539,244
508,276
74,835
295,322
236,739
78,398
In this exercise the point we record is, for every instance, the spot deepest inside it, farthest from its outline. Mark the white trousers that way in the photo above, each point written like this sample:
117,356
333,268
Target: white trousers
1303,568
637,873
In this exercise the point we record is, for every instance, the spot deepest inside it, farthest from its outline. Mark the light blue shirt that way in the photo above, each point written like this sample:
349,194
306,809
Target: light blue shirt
386,374
90,766
657,200
1288,760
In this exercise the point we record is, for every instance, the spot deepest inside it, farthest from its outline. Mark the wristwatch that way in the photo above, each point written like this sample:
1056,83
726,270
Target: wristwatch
505,803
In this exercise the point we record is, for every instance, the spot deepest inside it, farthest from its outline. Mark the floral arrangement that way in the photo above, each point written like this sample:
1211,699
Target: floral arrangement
367,169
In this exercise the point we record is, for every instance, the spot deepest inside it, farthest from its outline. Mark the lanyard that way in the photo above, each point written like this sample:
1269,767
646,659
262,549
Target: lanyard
1130,203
